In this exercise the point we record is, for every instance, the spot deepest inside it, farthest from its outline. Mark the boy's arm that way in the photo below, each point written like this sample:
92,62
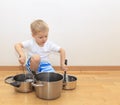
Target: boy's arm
19,50
62,59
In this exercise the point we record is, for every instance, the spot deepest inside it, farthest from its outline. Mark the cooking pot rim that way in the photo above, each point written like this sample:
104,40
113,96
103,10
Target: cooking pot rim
23,77
71,78
10,79
49,77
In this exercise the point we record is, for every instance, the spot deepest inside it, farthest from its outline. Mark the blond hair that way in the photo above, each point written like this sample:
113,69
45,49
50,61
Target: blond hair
39,26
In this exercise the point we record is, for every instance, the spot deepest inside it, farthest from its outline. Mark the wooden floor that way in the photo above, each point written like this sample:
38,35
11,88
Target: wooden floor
93,88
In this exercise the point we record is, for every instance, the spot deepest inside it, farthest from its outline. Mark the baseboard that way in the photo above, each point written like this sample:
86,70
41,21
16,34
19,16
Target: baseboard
71,68
90,68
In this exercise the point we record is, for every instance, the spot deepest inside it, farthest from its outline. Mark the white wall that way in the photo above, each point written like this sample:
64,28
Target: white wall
89,30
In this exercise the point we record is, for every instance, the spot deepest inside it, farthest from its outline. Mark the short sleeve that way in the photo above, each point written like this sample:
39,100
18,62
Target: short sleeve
27,43
54,47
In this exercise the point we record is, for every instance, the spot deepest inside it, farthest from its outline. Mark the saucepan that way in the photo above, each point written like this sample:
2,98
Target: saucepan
69,81
21,82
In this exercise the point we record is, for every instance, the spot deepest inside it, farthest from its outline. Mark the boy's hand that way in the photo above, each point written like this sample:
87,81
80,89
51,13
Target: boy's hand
22,60
64,67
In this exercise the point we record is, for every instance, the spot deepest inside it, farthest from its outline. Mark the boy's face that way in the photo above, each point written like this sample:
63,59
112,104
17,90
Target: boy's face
41,38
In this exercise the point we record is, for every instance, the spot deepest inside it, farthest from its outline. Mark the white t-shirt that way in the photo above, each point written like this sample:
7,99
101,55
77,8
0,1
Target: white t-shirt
32,48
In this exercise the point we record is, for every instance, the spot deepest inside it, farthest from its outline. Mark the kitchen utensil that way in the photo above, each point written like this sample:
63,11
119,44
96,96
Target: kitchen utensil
23,69
48,85
65,77
32,72
69,81
21,82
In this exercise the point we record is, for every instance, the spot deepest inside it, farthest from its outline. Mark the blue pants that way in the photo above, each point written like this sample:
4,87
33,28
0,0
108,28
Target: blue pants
44,66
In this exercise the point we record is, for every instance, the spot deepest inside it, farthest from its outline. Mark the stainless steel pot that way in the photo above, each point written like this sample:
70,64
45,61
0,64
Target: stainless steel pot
70,82
48,85
21,82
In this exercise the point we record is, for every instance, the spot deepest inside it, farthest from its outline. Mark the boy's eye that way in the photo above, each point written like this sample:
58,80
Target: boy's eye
43,37
40,37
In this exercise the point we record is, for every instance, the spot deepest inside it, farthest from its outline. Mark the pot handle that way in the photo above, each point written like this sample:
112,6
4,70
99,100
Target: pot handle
11,81
37,85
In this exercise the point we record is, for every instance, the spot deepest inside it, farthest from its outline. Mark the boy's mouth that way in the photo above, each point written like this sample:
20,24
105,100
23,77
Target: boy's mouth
43,42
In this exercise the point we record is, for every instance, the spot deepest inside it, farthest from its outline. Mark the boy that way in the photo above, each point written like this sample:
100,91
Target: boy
38,49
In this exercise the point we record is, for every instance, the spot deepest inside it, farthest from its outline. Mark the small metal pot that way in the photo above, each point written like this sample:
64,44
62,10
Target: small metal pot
21,82
48,85
70,82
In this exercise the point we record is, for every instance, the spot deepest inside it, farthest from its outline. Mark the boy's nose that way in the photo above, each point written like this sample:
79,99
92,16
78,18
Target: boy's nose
44,39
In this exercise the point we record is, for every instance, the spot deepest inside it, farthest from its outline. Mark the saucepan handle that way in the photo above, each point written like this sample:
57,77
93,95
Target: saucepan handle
10,80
